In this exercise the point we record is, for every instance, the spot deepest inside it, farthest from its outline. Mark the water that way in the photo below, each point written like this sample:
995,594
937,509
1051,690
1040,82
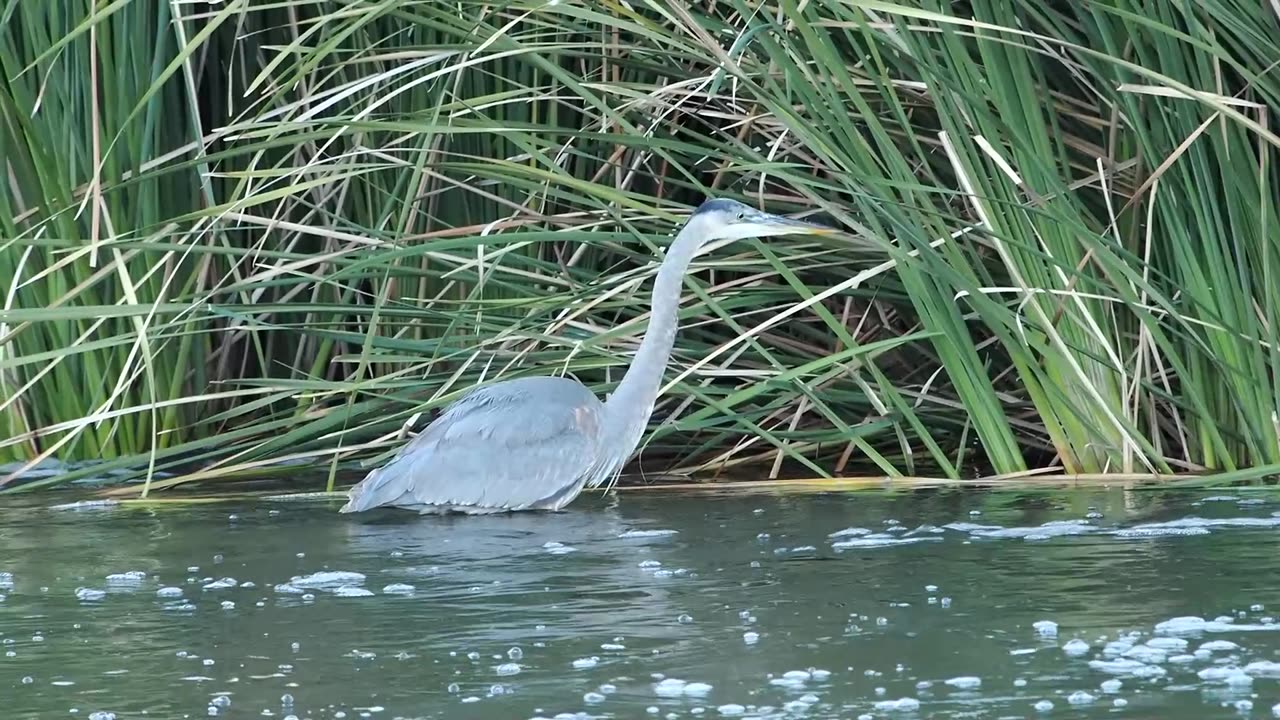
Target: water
937,605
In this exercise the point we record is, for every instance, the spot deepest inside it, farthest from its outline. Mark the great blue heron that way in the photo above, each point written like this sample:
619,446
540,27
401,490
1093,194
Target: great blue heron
533,443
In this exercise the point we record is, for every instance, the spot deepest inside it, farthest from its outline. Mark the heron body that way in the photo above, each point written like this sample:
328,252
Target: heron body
534,443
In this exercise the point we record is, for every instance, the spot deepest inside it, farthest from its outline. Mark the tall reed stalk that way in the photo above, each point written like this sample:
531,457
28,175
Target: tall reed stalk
243,233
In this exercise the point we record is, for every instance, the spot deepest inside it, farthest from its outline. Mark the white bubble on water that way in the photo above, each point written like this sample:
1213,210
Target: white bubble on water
1045,628
965,682
1228,675
1167,643
750,638
1075,647
649,564
732,710
1080,697
288,589
508,669
1146,654
905,705
1186,624
352,591
796,675
1156,532
850,532
879,541
398,589
648,533
228,605
1263,668
1213,646
1111,686
587,662
1127,667
1116,648
558,548
1043,706
669,687
132,577
327,579
697,689
221,584
90,594
592,698
1243,706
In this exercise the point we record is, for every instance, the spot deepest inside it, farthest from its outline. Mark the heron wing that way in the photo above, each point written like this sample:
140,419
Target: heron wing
508,446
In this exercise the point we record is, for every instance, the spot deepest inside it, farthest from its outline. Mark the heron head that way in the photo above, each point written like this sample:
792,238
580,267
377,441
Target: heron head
731,220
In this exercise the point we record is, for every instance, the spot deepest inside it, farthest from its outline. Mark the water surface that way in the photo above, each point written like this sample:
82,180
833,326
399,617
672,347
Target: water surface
941,605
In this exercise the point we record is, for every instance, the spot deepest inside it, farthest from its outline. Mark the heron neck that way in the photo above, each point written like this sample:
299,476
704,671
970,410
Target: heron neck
628,408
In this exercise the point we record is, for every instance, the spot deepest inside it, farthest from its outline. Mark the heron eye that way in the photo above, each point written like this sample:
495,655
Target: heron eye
741,216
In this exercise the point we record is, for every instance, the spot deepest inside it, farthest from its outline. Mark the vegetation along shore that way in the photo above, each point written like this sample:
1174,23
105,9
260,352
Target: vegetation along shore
248,239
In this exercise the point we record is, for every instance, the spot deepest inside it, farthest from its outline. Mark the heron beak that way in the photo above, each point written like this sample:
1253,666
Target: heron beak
788,226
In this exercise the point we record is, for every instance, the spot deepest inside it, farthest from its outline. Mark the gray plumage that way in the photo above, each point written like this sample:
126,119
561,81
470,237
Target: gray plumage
534,443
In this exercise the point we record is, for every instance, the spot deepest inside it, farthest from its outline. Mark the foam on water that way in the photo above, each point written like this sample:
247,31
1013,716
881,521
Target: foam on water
87,505
1075,647
1229,675
647,533
132,577
558,548
965,682
1080,697
1127,667
1213,646
877,541
1263,669
327,579
905,704
1168,643
1045,628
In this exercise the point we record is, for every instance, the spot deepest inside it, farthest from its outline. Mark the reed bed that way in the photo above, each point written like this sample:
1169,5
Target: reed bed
253,238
